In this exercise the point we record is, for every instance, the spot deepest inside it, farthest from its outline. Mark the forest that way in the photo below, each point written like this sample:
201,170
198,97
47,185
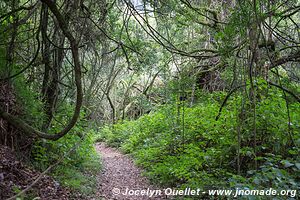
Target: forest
149,99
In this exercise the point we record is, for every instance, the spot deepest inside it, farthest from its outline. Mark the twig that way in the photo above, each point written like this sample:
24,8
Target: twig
225,100
46,171
286,90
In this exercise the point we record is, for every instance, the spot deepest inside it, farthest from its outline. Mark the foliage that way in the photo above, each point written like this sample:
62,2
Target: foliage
160,57
201,152
77,170
80,160
32,106
79,165
29,196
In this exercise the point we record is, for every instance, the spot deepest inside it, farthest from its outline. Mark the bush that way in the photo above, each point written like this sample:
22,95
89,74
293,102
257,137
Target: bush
79,166
193,149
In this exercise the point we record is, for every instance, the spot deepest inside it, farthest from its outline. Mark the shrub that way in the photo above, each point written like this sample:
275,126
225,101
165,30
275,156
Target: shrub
193,149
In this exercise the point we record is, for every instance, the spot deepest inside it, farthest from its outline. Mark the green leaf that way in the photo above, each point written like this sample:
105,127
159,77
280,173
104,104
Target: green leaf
287,163
256,181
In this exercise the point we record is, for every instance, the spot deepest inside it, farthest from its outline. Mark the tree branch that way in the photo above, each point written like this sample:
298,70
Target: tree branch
285,59
225,100
18,123
285,90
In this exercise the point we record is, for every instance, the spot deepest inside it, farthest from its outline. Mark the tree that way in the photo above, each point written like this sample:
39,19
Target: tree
18,123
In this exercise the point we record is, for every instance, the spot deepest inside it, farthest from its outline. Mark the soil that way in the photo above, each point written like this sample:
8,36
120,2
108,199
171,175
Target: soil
15,176
120,174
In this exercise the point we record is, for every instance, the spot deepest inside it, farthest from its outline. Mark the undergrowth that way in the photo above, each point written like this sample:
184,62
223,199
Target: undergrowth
182,146
80,162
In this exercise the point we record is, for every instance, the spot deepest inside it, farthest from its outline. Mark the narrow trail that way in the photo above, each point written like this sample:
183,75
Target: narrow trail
119,174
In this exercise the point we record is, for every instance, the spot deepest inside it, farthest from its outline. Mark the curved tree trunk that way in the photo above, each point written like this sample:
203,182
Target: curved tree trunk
18,123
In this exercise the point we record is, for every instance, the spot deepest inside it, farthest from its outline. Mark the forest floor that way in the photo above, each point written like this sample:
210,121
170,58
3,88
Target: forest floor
15,176
119,174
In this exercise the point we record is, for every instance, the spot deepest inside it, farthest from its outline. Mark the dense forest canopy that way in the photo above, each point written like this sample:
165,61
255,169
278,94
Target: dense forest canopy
207,86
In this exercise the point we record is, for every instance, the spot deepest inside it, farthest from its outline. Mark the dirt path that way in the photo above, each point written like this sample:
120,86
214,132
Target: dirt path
120,178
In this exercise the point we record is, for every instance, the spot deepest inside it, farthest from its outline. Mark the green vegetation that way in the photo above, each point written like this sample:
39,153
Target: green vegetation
187,147
200,93
79,167
80,163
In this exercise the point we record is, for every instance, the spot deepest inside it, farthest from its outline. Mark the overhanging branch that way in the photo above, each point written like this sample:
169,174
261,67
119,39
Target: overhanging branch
18,123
